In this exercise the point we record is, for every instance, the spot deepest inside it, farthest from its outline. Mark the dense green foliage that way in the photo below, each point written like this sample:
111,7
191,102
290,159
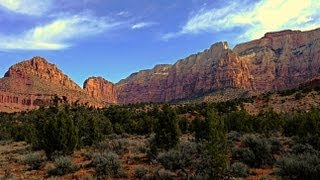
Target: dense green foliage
254,151
167,129
61,129
300,166
214,146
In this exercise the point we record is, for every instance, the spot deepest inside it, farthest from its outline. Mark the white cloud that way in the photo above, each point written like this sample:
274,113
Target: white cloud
142,25
57,34
28,7
258,18
168,36
123,13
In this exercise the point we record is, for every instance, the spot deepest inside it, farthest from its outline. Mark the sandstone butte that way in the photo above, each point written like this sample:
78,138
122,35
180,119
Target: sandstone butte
277,61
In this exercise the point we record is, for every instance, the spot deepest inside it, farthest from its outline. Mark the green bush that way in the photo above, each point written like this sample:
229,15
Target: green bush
93,126
167,130
140,172
62,165
118,146
107,164
244,155
164,174
185,157
254,151
276,146
302,166
239,169
214,147
59,135
234,136
171,160
35,160
303,148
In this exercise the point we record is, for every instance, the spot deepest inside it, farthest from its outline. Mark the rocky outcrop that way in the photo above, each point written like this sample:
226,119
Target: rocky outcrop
39,68
277,61
33,83
215,68
99,88
13,102
282,60
144,86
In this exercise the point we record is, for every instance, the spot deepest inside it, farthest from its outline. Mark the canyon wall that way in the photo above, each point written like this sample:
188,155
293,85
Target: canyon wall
277,61
99,88
282,60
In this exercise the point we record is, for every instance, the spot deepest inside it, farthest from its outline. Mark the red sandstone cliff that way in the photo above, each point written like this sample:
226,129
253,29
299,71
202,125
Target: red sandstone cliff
279,60
39,68
98,87
32,83
214,69
282,60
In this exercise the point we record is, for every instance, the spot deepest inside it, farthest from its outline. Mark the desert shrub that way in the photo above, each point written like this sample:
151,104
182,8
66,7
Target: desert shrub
244,155
269,122
35,160
302,166
306,126
184,125
239,169
298,96
276,146
107,164
183,158
254,151
62,165
8,175
303,148
140,172
171,160
164,174
234,136
24,132
118,146
239,121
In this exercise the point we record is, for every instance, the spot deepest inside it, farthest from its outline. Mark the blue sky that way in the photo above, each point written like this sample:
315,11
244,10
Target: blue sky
114,38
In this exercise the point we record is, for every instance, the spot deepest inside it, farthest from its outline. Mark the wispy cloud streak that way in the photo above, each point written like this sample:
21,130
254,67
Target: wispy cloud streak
256,18
57,34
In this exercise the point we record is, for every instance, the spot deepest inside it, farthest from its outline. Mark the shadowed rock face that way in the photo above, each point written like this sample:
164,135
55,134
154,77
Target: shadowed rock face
277,61
282,60
33,83
39,68
215,68
97,87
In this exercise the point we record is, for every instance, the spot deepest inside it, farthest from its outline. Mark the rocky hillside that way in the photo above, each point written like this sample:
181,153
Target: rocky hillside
282,60
33,83
98,87
40,69
216,68
278,61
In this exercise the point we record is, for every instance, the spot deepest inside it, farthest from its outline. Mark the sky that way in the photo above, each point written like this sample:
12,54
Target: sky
114,38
